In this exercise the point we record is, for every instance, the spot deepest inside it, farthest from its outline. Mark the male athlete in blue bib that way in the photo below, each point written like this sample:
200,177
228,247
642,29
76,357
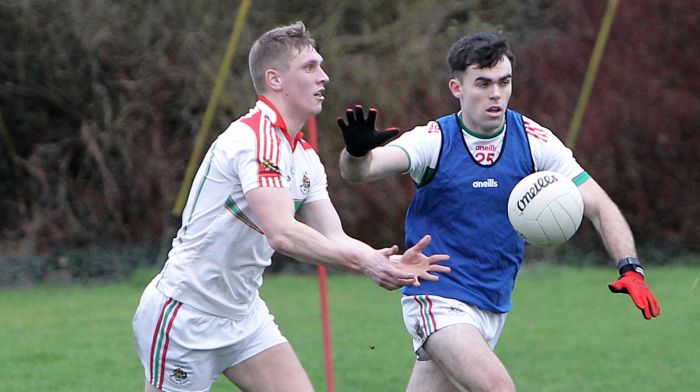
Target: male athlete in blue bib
464,165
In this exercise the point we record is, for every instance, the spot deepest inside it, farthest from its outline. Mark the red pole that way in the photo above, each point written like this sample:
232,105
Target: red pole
323,287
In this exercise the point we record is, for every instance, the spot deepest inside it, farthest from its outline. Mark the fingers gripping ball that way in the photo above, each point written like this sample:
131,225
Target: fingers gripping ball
545,208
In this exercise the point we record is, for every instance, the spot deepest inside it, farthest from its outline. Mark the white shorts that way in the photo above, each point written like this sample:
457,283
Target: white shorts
425,314
184,349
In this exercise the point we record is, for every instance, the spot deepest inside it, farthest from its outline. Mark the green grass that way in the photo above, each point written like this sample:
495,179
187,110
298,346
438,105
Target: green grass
567,332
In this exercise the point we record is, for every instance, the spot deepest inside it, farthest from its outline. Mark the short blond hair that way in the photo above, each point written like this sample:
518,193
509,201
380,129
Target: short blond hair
274,49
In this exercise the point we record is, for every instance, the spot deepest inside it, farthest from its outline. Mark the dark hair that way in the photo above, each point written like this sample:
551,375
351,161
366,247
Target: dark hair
482,49
274,50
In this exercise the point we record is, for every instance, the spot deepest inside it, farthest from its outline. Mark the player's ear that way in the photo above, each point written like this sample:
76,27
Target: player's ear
273,80
455,88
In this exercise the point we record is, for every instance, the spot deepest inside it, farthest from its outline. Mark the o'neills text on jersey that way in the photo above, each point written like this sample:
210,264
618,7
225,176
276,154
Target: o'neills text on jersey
536,187
489,183
490,147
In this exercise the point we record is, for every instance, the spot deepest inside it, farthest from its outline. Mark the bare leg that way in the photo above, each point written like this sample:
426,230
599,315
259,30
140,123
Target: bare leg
150,388
273,370
427,377
467,360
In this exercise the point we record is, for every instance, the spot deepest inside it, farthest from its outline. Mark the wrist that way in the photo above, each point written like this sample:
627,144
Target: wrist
354,169
629,264
357,153
354,154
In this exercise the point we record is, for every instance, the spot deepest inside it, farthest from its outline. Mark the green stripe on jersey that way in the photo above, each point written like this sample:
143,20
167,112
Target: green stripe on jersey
476,134
201,183
426,314
427,177
407,156
162,335
233,207
581,178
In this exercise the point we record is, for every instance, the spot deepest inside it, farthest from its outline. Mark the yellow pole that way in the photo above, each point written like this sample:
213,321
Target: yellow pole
211,108
589,79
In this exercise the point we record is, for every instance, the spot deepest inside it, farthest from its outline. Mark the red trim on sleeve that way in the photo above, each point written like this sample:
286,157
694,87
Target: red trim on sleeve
268,145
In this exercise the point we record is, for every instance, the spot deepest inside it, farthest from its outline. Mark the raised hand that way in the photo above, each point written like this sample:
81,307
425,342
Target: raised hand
391,271
414,261
359,132
382,269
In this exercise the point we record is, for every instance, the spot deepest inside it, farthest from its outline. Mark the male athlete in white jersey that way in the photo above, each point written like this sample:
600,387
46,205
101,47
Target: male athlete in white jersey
202,315
464,166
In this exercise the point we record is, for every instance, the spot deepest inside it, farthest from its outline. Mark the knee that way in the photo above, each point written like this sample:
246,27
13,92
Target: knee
502,384
491,384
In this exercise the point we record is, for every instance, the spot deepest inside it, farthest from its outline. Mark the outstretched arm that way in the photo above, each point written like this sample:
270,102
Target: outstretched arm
619,242
607,220
274,208
322,216
377,164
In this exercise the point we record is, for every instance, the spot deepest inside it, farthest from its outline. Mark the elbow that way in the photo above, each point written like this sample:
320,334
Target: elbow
280,242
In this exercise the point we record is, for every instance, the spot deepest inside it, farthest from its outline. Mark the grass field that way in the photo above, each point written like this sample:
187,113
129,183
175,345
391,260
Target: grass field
567,332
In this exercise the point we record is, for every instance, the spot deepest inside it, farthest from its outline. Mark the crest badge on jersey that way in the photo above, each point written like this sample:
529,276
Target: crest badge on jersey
433,127
178,376
418,329
269,166
305,183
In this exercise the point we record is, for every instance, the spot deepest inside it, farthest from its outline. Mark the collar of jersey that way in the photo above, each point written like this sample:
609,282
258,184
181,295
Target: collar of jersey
277,121
479,135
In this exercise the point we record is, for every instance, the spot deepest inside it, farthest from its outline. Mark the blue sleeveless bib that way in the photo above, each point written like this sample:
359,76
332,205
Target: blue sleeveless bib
464,209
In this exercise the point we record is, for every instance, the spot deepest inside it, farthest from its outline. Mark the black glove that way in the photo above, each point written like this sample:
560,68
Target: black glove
359,132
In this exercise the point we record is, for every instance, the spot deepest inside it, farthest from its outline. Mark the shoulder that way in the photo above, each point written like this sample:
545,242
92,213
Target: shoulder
254,129
420,140
431,130
256,122
239,135
244,136
548,151
536,132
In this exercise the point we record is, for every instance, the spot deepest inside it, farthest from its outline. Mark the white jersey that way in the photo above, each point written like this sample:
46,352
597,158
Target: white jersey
219,254
422,146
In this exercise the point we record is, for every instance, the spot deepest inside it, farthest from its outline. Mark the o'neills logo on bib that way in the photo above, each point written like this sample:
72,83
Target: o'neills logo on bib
536,187
490,183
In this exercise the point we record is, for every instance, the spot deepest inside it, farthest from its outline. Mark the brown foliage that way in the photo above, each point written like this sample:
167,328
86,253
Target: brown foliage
638,137
102,100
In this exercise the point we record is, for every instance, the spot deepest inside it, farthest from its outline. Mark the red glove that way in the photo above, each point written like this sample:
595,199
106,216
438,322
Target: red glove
632,283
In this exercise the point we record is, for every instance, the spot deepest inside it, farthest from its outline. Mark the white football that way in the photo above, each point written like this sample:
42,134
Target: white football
545,208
